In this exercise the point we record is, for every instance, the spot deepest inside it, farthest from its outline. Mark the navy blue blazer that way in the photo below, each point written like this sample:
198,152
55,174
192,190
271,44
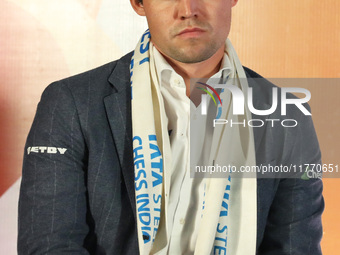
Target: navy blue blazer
77,191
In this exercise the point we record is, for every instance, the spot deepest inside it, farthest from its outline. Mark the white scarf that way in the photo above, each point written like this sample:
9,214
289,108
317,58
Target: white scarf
228,225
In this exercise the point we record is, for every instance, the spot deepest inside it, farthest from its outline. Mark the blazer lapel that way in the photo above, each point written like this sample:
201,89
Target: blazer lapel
118,109
258,132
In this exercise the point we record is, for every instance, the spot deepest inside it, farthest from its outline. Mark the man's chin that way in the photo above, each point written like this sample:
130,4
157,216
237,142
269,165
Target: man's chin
192,56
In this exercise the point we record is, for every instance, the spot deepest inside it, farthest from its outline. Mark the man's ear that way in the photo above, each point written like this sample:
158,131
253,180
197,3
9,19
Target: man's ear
138,7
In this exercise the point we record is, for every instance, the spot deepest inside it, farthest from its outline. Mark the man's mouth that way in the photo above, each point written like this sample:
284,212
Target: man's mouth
191,32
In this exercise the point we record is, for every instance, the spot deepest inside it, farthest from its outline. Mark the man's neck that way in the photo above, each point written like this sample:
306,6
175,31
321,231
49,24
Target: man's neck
204,69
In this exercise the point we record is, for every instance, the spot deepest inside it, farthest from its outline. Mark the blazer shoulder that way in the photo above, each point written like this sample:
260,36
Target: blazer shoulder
262,87
263,92
96,80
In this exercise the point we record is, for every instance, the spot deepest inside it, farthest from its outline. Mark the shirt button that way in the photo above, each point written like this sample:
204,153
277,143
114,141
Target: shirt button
182,221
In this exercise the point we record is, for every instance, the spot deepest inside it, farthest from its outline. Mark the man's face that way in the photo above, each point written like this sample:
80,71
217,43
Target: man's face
188,31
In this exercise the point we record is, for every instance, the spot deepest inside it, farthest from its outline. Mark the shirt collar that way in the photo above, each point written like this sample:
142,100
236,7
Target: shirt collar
165,71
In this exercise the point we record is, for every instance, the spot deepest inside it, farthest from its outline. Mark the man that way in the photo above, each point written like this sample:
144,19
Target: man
107,174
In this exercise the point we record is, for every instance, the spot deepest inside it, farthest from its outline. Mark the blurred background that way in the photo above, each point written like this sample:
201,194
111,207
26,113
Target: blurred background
43,41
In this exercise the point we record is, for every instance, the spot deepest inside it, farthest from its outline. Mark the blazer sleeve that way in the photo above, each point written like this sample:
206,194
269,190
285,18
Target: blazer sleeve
52,203
294,221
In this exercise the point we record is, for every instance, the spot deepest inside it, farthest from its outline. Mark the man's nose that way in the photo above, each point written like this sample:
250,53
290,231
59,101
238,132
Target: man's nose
187,8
